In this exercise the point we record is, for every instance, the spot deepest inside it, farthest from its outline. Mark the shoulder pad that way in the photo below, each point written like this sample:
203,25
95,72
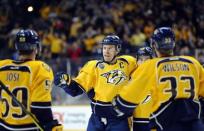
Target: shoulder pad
43,65
127,58
124,60
91,63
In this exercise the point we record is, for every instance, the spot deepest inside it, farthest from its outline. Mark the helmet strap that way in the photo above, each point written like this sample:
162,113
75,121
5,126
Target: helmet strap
154,49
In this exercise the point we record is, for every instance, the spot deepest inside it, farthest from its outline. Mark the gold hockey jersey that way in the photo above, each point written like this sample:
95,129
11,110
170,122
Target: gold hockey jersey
30,82
106,79
166,79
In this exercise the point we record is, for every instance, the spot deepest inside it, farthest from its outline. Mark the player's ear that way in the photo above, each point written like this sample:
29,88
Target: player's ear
118,49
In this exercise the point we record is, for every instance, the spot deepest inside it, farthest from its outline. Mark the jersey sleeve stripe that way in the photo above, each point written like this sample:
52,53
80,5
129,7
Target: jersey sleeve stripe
40,107
100,103
125,103
26,127
140,120
161,109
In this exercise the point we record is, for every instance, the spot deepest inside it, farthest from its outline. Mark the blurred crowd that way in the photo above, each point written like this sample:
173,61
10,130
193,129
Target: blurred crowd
74,28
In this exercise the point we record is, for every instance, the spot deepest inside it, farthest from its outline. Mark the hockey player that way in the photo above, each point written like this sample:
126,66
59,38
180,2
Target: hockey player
30,81
142,113
175,84
143,54
102,80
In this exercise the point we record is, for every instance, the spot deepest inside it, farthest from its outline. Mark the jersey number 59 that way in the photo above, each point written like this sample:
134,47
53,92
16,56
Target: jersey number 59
10,109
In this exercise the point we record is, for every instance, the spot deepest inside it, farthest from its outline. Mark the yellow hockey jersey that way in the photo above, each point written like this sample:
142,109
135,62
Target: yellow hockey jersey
31,83
166,79
142,113
106,79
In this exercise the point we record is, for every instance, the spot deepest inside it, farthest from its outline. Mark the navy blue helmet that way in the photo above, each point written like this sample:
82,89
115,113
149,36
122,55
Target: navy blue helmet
145,51
164,40
112,40
27,40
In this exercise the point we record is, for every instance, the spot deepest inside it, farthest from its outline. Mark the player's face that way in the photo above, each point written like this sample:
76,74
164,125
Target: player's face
142,59
109,51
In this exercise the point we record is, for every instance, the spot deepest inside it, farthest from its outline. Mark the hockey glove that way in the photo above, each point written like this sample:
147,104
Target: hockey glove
62,79
53,126
58,128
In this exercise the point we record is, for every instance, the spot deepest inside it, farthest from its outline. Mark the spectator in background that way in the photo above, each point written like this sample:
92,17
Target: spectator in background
74,51
148,29
75,26
122,17
138,38
56,45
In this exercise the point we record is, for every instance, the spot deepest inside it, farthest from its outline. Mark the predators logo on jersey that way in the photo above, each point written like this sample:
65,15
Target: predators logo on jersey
115,76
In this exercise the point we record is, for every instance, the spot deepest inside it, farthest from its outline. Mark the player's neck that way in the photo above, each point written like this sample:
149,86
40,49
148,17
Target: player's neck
26,57
113,61
164,55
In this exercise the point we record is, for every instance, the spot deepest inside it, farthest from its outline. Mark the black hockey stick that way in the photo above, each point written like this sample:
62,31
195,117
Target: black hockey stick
2,86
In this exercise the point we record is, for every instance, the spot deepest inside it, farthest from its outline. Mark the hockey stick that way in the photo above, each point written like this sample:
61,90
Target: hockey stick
2,86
